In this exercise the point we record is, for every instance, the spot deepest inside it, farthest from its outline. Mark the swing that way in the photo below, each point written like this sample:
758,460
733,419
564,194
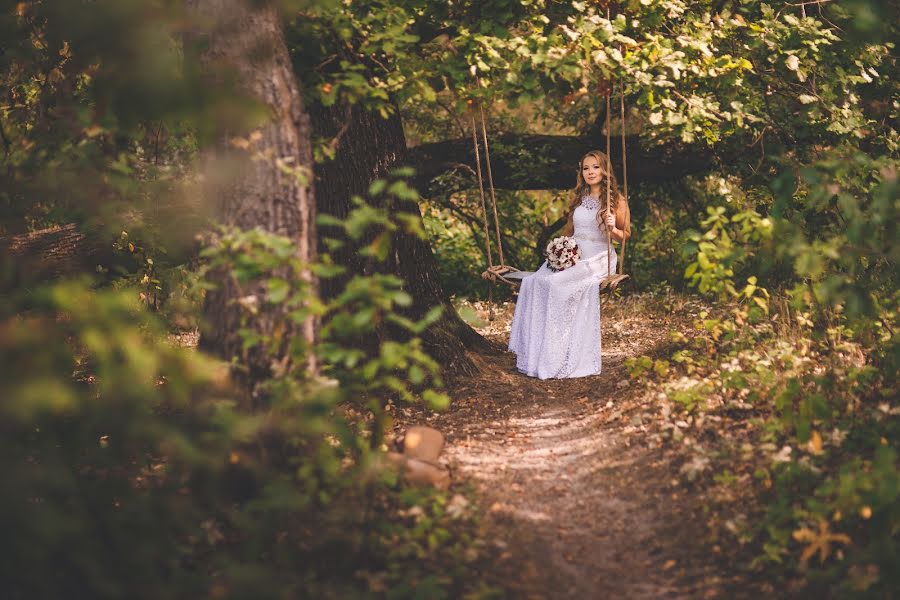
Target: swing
511,275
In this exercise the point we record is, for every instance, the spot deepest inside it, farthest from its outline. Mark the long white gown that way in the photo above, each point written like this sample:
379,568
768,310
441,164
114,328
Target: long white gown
556,327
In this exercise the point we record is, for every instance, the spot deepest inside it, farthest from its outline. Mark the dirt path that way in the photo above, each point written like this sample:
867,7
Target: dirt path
580,501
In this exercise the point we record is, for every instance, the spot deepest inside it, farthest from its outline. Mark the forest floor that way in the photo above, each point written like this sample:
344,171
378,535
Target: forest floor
580,495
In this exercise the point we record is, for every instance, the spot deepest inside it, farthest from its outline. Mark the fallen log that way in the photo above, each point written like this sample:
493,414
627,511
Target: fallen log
51,253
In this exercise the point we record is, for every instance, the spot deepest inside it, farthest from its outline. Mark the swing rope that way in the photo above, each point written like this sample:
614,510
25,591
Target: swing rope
494,272
624,183
612,280
500,271
487,231
487,162
487,234
608,168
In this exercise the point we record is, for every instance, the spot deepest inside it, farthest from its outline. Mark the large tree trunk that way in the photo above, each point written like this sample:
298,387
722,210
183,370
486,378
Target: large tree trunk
369,147
244,39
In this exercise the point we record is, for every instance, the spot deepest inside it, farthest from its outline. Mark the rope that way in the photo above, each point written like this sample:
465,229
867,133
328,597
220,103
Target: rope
608,164
608,184
487,162
487,234
624,181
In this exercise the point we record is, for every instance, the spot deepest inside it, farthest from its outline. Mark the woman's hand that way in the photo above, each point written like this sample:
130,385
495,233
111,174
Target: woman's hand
611,219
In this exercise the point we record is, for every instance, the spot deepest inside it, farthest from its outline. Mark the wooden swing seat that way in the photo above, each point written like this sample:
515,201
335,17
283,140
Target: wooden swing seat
506,274
513,276
608,285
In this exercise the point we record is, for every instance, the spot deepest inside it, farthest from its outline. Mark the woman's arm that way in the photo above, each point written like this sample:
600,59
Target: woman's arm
569,228
619,224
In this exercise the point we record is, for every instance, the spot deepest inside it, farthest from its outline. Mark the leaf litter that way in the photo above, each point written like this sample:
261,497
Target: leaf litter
578,478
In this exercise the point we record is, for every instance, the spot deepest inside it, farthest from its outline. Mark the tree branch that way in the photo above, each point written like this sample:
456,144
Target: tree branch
524,161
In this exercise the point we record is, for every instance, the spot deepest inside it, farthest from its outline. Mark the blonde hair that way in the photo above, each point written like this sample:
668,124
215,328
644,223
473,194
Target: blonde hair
582,189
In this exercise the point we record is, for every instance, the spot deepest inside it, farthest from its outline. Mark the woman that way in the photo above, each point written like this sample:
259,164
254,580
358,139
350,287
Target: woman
556,328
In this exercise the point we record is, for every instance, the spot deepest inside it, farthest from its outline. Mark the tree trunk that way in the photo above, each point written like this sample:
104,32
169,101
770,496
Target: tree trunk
369,147
243,40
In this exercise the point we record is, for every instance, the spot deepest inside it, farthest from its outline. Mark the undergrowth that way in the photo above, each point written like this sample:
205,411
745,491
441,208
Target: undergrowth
134,469
787,400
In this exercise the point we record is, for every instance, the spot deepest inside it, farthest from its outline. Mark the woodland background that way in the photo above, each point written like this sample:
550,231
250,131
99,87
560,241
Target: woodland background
295,181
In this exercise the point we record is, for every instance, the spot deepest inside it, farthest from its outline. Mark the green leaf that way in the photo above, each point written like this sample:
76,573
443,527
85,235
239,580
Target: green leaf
436,400
376,187
278,290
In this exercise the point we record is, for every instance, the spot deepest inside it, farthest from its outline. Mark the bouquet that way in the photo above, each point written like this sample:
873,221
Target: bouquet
562,253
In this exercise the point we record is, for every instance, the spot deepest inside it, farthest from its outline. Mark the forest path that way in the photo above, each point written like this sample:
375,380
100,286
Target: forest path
579,501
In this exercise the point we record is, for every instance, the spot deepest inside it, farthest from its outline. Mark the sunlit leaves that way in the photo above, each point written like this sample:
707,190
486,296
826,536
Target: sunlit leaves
729,239
693,70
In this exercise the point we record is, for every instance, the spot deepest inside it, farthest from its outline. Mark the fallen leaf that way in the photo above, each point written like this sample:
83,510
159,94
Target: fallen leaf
815,443
818,542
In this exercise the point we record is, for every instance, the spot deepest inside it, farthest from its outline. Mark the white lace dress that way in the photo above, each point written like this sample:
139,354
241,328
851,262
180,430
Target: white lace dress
556,328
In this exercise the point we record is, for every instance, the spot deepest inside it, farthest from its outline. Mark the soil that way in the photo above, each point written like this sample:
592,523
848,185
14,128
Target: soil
579,499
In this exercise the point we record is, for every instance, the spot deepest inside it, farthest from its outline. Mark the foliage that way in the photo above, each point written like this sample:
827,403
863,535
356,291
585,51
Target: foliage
653,256
553,56
839,230
91,459
640,366
132,469
114,434
94,110
819,370
732,235
370,308
821,425
702,70
454,224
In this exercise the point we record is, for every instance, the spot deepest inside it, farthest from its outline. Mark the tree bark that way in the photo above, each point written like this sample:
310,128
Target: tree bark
243,40
369,147
553,160
51,253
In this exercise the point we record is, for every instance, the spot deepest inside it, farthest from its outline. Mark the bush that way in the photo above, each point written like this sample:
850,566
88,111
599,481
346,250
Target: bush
133,472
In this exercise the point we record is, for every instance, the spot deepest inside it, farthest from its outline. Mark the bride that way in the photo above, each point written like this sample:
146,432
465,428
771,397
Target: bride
556,328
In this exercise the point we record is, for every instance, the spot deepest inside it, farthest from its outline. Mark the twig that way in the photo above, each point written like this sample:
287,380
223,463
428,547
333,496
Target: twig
762,149
328,60
336,141
453,116
803,5
808,3
826,19
156,144
690,101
